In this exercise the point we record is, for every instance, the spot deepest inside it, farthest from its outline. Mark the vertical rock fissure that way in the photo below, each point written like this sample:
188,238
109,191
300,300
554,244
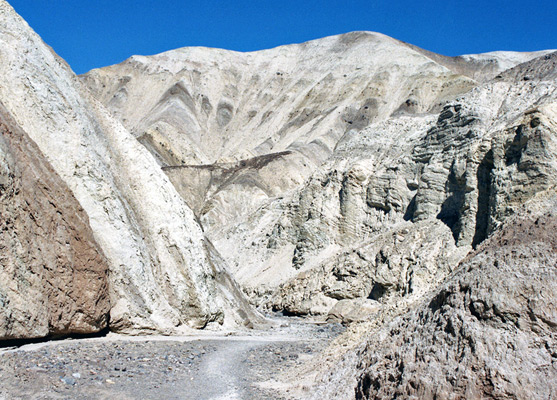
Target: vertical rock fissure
484,175
451,209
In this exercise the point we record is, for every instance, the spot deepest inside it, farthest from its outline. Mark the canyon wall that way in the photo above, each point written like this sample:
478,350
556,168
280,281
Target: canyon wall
163,275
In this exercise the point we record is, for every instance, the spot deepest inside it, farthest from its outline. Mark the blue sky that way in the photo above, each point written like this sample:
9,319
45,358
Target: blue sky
90,34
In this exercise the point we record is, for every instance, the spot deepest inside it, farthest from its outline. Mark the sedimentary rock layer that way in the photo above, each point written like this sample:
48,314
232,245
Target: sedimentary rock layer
488,332
53,275
329,171
163,277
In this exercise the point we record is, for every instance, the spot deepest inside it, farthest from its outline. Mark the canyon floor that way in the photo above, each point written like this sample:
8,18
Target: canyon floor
233,366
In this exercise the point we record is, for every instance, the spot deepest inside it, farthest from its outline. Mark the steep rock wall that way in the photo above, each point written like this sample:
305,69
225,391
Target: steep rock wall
162,275
488,332
53,275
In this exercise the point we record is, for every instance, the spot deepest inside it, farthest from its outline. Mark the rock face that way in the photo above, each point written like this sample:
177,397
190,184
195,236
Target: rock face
53,279
164,275
468,170
487,332
354,177
308,164
209,108
448,345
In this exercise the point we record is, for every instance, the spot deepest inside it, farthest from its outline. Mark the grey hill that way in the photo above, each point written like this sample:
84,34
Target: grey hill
354,179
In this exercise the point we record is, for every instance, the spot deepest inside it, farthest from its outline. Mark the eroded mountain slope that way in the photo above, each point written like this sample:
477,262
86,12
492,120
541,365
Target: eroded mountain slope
198,106
353,228
520,154
487,332
331,160
164,277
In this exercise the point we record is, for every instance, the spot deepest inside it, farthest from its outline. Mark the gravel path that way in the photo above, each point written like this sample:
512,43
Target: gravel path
218,367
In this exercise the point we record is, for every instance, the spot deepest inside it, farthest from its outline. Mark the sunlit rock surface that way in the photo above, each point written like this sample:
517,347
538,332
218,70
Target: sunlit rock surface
163,274
326,170
352,177
355,178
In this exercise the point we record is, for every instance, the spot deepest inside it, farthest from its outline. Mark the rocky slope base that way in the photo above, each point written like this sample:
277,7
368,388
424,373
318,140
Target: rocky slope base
488,332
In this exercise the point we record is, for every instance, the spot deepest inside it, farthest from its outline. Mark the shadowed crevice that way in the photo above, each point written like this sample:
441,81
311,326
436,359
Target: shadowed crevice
484,193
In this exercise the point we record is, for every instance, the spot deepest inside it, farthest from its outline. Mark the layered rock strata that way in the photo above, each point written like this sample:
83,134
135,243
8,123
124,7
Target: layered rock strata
53,279
294,158
487,332
164,276
356,176
509,270
461,175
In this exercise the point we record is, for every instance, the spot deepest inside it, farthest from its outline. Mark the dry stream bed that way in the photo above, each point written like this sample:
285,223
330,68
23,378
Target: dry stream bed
240,366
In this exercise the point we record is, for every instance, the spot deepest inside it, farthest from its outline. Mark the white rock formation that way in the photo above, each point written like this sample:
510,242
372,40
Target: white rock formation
316,168
355,177
163,276
510,275
385,211
204,106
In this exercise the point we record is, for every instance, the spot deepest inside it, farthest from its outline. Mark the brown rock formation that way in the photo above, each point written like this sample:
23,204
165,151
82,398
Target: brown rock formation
53,277
489,332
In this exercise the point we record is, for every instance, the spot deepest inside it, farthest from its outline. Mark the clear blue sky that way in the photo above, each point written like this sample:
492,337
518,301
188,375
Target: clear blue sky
95,33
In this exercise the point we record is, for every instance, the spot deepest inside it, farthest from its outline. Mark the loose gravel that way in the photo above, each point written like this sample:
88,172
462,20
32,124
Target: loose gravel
227,367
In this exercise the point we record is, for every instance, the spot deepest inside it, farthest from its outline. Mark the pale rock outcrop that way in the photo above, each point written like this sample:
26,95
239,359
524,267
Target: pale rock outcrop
53,276
484,155
163,276
207,108
405,261
319,154
509,180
